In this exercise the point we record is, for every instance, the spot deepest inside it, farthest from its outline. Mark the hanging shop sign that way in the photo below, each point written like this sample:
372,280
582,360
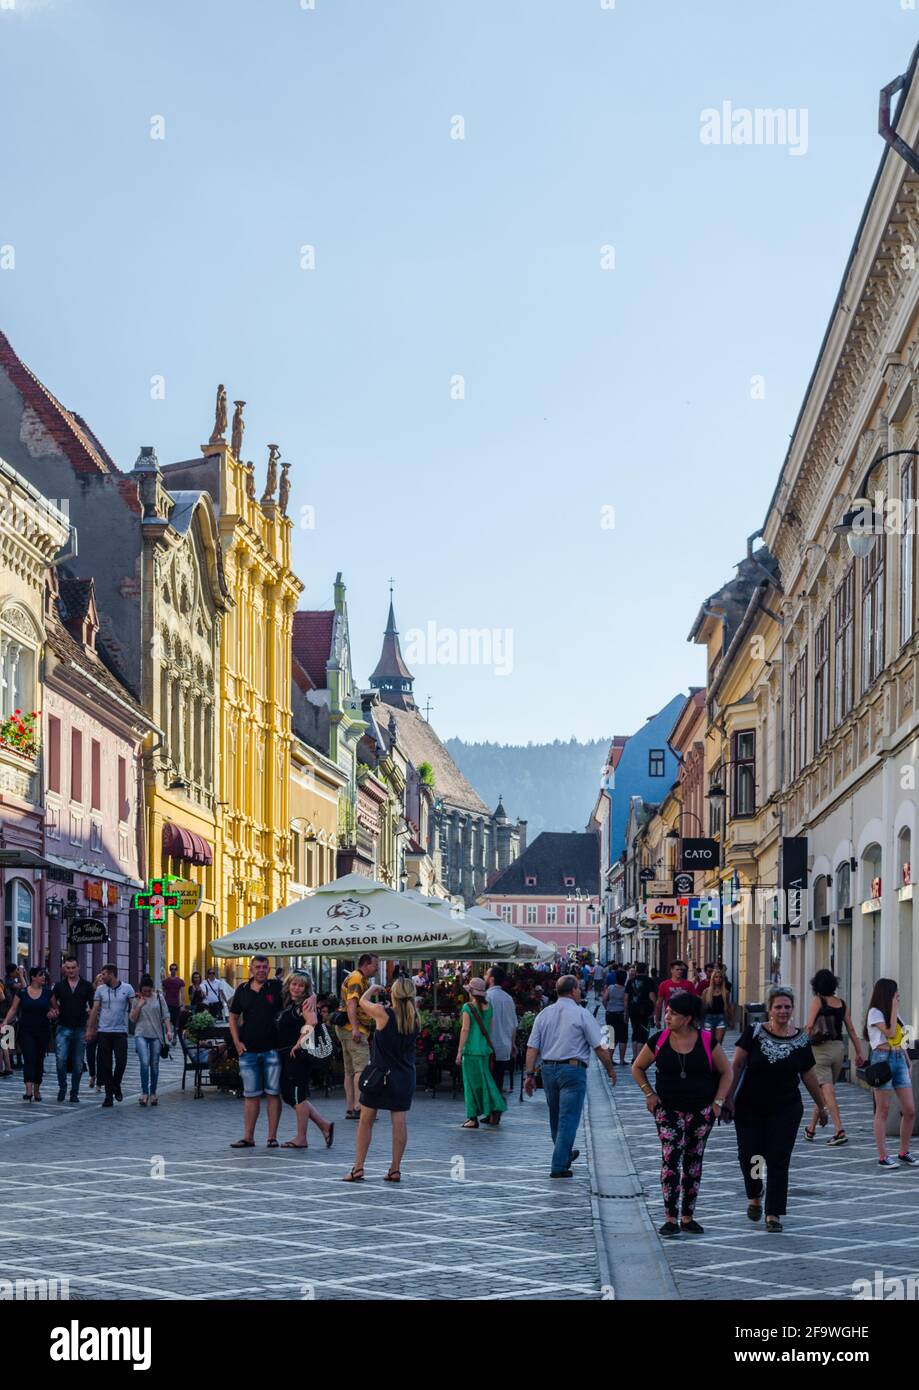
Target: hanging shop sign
662,912
699,854
86,931
704,914
683,884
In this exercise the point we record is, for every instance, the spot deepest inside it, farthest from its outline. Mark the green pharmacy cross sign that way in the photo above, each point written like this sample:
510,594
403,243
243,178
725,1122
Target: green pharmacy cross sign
157,901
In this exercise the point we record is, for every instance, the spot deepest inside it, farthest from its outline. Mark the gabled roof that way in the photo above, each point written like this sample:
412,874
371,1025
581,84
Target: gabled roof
312,643
70,653
420,744
616,749
553,856
300,676
66,429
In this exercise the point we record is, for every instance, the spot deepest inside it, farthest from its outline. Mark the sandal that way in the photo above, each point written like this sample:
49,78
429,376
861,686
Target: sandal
810,1134
141,1100
493,1120
394,1175
292,1144
470,1124
352,1114
243,1144
773,1224
330,1136
356,1175
840,1137
153,1100
272,1144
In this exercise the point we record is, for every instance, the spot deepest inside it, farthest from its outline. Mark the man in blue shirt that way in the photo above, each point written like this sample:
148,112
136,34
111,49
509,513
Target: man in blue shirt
564,1035
109,1016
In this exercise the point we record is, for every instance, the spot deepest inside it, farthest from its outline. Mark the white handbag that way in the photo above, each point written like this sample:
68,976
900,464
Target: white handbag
315,1042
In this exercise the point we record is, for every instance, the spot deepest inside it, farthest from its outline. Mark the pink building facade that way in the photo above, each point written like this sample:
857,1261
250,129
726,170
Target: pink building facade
552,891
93,733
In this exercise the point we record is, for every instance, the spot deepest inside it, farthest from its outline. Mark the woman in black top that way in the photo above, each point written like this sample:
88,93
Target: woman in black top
392,1068
298,1013
693,1078
828,1021
769,1062
37,1010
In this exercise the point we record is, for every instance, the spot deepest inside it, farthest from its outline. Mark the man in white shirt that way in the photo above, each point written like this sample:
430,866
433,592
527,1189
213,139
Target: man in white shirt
215,993
563,1036
503,1022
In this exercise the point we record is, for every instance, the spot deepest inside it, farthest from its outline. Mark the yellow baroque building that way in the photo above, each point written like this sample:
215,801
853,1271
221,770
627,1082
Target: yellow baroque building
253,869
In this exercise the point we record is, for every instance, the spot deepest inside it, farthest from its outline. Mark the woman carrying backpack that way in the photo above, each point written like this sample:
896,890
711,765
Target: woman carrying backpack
828,1020
693,1079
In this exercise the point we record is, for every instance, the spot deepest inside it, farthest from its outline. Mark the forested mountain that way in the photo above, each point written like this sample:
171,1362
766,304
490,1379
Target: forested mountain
553,786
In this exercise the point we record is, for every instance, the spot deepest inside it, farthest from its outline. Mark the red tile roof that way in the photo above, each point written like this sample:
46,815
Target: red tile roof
75,440
312,643
301,677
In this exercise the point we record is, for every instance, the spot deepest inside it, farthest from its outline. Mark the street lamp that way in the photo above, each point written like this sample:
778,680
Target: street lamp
860,524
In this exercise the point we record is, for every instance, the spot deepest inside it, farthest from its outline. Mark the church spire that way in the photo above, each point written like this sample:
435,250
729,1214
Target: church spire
392,678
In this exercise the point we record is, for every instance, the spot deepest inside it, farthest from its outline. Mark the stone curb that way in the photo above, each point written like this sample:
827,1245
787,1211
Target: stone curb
632,1263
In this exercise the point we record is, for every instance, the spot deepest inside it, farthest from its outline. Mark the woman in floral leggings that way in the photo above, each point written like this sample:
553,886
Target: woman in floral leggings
693,1079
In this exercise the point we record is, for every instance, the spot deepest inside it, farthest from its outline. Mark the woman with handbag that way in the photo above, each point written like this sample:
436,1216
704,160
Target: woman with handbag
828,1020
475,1055
152,1036
888,1070
302,1041
388,1082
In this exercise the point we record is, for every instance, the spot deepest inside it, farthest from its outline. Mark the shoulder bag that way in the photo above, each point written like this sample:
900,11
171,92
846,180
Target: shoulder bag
820,1031
164,1046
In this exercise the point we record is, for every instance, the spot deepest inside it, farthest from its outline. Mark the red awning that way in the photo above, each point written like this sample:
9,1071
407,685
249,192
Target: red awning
179,843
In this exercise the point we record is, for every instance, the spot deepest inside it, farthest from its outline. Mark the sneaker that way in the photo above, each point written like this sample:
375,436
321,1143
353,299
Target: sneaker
692,1227
888,1162
567,1174
669,1228
74,1100
910,1160
109,1102
575,1153
61,1094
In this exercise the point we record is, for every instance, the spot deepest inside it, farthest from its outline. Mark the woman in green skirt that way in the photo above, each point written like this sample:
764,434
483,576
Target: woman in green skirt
475,1049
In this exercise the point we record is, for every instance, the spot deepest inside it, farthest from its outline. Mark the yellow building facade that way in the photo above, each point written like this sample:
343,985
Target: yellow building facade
253,862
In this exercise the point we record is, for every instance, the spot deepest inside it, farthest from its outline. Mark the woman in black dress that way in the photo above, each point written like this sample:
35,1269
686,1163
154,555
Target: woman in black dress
392,1068
298,1014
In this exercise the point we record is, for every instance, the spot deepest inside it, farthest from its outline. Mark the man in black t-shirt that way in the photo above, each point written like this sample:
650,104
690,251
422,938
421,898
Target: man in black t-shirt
640,998
74,998
258,1004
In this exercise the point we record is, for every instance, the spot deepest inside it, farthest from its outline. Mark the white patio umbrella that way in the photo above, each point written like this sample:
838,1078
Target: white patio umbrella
507,943
352,915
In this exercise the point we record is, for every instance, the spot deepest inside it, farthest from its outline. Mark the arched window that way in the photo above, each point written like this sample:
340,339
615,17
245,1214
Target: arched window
904,858
19,645
871,872
843,886
18,921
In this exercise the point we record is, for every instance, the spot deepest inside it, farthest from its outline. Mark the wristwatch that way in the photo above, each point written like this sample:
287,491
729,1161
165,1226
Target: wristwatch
529,1073
718,1103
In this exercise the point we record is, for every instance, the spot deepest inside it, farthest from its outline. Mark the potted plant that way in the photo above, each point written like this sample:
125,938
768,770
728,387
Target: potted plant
19,733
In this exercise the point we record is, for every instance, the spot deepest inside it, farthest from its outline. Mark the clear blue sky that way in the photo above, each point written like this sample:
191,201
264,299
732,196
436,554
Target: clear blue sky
435,257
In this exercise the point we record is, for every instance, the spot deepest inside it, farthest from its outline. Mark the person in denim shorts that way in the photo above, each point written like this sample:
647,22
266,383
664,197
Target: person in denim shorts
884,1030
258,1003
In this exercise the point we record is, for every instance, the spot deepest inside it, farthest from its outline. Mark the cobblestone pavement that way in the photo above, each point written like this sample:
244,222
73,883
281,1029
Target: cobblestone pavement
17,1114
136,1203
846,1217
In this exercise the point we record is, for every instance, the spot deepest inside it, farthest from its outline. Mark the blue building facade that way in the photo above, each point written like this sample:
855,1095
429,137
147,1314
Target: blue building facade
645,767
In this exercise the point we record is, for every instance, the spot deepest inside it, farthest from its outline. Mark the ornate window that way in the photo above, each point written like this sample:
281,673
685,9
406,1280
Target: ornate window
907,551
18,919
844,647
821,682
873,613
744,773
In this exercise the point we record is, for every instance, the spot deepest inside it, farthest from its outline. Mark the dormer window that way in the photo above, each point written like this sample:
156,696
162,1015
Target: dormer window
569,881
530,880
